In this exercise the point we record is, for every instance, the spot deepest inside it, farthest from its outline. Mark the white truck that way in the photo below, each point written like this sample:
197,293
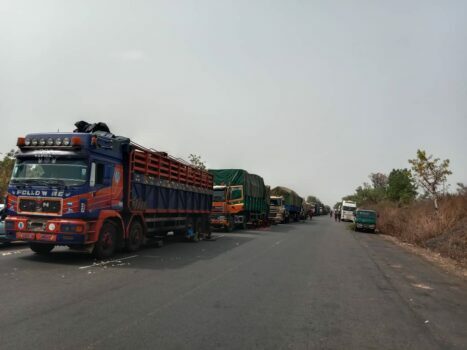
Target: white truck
277,212
347,210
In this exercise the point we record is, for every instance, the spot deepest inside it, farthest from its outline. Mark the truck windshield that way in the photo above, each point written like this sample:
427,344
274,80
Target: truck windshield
345,208
275,202
56,172
366,214
218,195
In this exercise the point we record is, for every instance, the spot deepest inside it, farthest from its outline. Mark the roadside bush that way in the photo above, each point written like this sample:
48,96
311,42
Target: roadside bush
443,231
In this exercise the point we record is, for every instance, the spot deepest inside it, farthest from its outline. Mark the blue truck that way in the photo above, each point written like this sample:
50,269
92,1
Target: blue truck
94,191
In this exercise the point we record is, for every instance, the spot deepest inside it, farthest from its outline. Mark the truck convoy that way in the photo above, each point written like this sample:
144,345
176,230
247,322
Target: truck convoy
239,199
347,210
286,205
94,191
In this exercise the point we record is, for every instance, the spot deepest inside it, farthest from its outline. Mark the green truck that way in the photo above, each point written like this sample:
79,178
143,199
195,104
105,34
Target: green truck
239,199
365,220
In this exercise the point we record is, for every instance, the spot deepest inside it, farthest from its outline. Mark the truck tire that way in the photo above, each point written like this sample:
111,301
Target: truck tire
107,242
41,248
135,237
198,228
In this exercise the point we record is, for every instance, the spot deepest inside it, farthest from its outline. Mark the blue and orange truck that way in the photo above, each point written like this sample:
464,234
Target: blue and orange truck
94,191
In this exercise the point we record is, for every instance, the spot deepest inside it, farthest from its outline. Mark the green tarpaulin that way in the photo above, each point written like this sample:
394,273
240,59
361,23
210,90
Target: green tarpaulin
290,196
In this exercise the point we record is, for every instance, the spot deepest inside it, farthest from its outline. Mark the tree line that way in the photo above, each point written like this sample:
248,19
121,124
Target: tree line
426,178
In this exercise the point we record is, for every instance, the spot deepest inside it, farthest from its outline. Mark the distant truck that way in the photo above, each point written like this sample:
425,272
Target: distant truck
239,199
307,211
94,191
347,210
291,202
278,214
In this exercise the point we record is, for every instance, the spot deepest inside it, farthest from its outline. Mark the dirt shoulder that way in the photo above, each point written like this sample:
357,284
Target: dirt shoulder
447,264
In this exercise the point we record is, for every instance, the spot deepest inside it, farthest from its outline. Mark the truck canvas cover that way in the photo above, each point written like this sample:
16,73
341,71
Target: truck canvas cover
255,192
290,196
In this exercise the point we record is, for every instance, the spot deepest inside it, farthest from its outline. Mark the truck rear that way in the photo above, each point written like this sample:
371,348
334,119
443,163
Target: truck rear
239,199
101,193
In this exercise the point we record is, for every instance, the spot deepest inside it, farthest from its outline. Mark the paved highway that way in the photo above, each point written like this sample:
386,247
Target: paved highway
313,285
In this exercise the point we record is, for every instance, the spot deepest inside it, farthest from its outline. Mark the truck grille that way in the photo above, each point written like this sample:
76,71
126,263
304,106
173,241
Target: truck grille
39,205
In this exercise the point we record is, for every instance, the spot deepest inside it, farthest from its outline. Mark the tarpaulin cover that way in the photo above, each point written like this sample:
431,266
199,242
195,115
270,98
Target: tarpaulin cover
255,192
290,196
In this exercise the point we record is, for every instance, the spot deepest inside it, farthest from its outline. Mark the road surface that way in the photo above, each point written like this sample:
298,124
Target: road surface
313,285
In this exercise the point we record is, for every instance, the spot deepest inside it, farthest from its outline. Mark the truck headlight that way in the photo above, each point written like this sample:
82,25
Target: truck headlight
66,141
27,142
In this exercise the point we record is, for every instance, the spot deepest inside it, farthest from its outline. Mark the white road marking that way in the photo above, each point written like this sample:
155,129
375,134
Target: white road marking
103,263
422,286
12,252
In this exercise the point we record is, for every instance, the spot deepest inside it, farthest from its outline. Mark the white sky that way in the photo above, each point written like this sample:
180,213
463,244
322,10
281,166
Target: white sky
312,95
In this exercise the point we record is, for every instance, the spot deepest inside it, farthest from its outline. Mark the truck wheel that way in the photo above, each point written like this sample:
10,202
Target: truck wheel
135,237
197,233
41,248
107,242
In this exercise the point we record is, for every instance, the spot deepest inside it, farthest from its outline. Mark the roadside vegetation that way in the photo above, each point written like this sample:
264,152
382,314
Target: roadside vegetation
416,206
6,167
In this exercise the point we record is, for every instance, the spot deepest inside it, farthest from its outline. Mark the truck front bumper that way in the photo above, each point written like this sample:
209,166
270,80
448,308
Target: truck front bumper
54,231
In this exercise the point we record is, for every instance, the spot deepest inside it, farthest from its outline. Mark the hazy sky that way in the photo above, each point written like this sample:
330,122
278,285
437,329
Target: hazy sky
313,95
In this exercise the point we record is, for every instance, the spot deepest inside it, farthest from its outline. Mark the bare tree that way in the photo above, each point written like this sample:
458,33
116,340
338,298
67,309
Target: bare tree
431,174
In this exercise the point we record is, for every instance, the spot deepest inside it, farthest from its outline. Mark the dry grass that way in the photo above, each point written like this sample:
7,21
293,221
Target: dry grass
443,231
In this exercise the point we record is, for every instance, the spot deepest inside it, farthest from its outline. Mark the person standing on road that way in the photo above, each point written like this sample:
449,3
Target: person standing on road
330,214
337,216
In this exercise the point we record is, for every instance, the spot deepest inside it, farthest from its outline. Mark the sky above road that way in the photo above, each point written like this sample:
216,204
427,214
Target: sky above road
312,95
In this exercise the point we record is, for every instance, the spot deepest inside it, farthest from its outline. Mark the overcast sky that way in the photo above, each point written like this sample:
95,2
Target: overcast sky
313,95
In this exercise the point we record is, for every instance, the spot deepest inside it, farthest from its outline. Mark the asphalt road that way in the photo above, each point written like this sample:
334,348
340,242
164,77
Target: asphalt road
312,285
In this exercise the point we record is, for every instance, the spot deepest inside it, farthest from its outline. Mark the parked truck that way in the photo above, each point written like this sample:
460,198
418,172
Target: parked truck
347,210
291,203
307,211
94,191
277,212
239,199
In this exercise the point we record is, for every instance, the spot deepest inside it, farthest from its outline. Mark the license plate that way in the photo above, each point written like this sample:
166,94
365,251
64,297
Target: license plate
26,236
45,237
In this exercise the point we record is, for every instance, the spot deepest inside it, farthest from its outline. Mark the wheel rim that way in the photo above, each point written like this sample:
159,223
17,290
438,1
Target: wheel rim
135,236
107,240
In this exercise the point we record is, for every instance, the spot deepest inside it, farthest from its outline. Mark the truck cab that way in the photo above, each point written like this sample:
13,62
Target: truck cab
227,207
62,185
347,210
365,220
277,211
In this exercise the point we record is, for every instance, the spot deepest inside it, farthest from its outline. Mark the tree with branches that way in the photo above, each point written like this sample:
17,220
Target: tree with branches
431,174
197,162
